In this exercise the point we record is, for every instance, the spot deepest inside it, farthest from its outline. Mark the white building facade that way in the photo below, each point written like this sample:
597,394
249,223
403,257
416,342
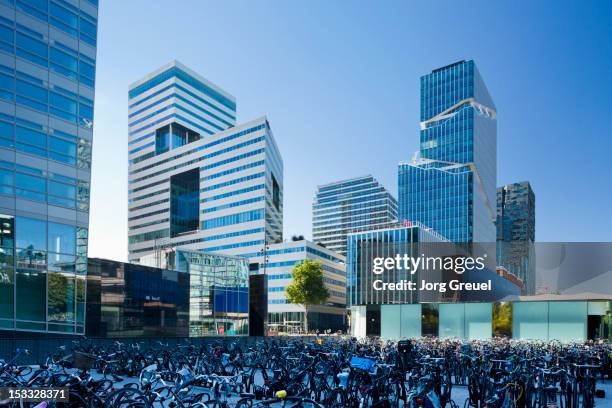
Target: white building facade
196,180
280,260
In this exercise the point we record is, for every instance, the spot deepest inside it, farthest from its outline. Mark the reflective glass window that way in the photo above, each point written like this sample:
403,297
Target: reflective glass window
62,238
32,137
31,233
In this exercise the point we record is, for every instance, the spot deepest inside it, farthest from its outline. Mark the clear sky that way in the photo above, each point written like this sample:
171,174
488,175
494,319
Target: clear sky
339,82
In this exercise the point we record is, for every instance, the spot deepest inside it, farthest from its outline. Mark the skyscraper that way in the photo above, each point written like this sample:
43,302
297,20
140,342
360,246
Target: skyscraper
450,185
346,206
47,75
196,180
516,231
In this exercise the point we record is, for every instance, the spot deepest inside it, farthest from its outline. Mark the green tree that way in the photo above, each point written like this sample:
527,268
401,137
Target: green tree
307,287
502,319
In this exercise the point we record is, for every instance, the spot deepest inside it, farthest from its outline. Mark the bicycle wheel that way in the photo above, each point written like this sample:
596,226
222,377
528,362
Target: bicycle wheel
335,399
127,398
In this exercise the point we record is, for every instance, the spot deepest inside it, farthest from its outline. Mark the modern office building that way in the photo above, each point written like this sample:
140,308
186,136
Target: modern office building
277,264
197,180
346,206
47,76
195,294
450,184
375,308
516,232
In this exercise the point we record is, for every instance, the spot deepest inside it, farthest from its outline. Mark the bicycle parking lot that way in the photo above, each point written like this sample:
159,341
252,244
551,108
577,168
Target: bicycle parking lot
330,372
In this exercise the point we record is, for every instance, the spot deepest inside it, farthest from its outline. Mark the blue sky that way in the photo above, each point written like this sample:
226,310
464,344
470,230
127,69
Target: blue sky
339,82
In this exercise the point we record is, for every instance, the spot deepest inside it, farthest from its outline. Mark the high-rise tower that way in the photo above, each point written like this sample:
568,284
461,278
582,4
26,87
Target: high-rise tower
450,185
197,180
47,76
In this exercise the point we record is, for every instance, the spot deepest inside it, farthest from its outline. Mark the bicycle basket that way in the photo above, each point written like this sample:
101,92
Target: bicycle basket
83,361
362,363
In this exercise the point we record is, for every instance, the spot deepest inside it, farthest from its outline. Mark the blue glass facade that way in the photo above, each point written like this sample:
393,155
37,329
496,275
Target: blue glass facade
450,186
350,205
47,76
516,232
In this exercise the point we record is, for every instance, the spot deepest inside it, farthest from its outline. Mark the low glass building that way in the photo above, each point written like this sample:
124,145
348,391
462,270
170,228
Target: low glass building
193,294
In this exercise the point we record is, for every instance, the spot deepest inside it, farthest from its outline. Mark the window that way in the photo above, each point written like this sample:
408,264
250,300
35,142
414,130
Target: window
31,233
32,91
62,238
184,202
275,193
32,46
31,137
64,19
62,150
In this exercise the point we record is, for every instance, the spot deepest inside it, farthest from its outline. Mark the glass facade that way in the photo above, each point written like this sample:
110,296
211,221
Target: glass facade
218,293
128,300
195,294
564,321
347,206
450,185
47,76
516,232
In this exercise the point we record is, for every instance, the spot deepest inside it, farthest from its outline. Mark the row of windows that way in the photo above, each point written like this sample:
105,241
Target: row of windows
201,158
58,146
348,196
234,181
277,289
232,219
145,196
190,162
233,193
234,204
63,16
206,146
137,217
58,57
342,191
355,209
374,218
56,101
345,184
175,87
178,107
140,207
351,201
233,234
234,170
183,99
34,234
148,236
237,245
341,218
175,72
148,224
32,184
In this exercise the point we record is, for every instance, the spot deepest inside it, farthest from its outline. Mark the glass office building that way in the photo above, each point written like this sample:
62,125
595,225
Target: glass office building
130,300
194,294
218,293
47,76
196,179
516,232
346,206
450,185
